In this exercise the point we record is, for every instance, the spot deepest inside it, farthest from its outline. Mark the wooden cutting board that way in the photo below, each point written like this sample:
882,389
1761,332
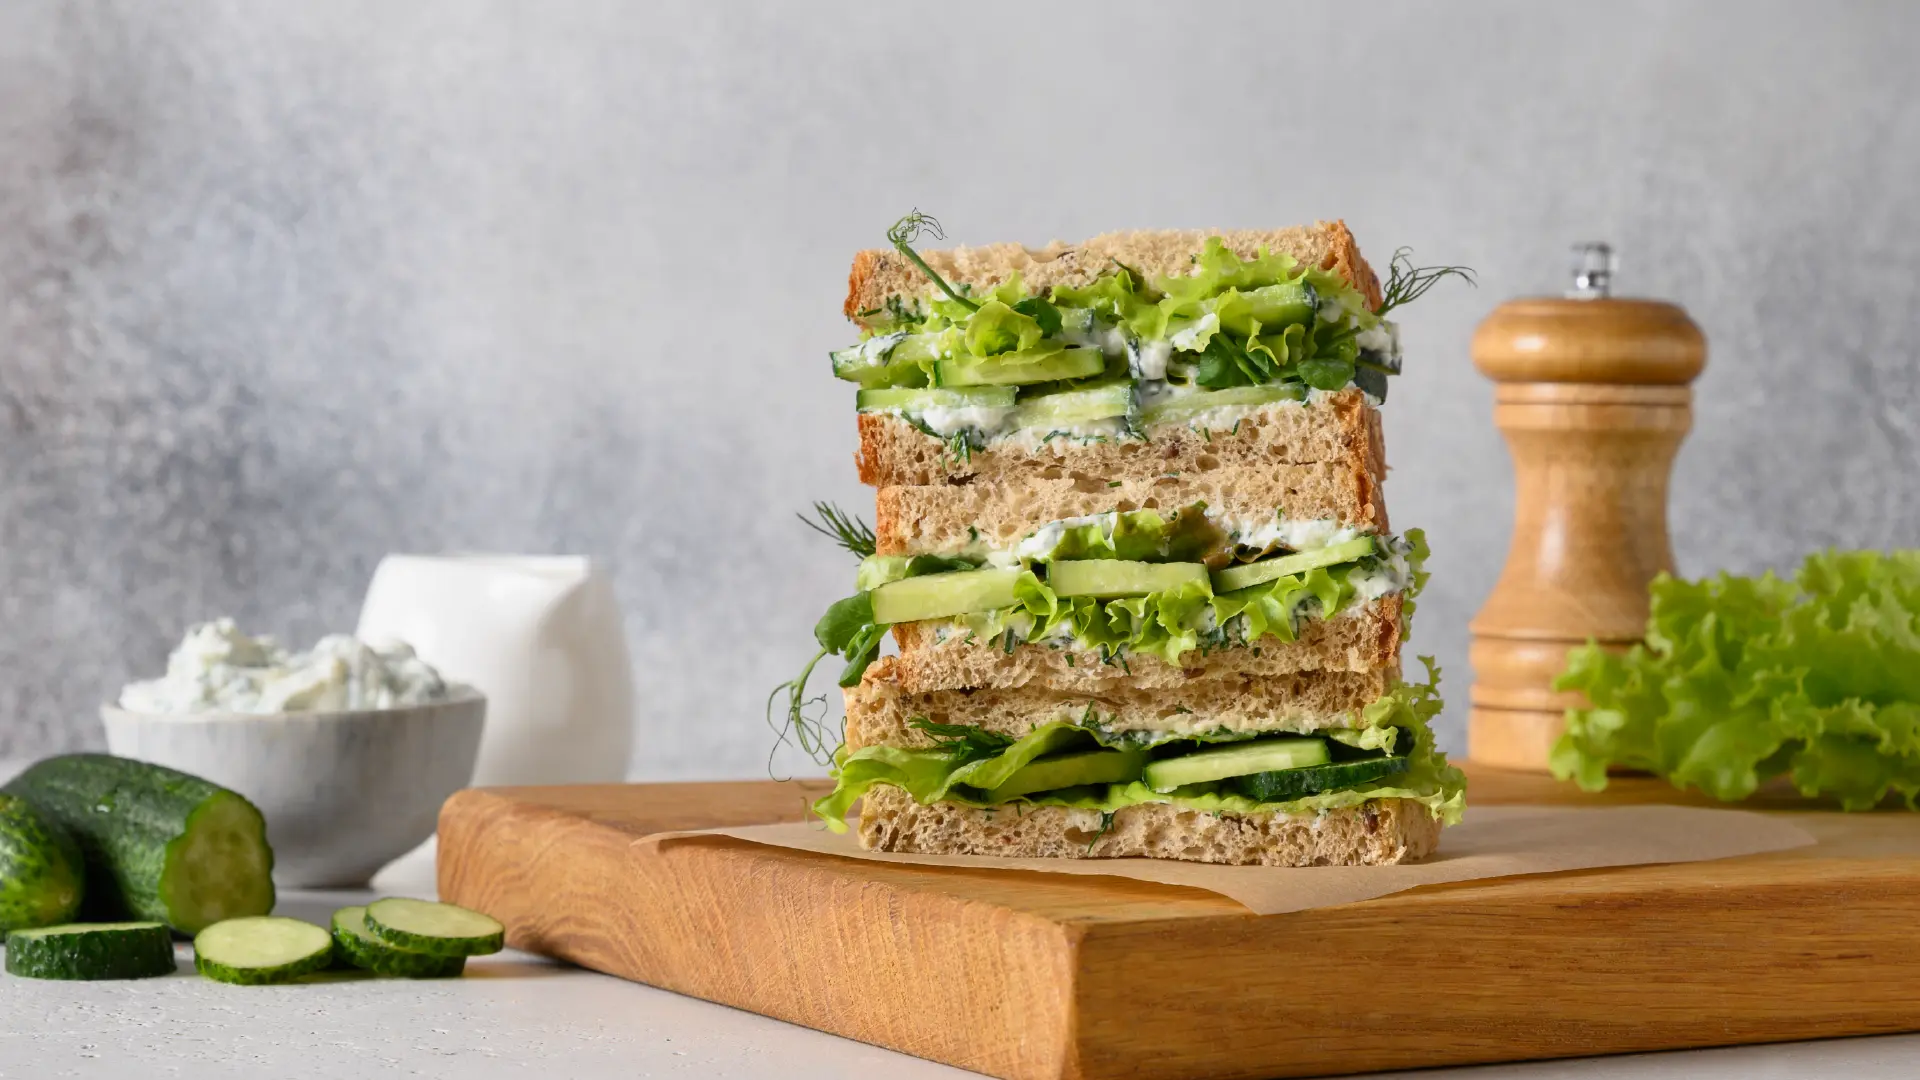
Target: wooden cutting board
1034,976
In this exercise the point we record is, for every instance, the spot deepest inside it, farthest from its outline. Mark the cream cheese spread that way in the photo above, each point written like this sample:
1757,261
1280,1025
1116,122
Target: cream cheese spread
217,668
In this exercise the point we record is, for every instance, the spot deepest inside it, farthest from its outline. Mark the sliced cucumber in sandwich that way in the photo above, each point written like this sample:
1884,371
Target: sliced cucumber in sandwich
425,926
1108,578
916,401
887,359
1239,759
91,951
1071,408
1071,770
1020,369
1284,784
353,941
941,596
1259,573
261,949
1177,410
1274,307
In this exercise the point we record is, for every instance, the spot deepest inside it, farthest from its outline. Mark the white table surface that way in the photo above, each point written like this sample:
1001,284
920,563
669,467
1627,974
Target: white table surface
515,1015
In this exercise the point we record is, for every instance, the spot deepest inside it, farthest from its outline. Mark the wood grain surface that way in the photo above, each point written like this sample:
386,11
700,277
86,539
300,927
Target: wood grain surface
1032,975
1593,402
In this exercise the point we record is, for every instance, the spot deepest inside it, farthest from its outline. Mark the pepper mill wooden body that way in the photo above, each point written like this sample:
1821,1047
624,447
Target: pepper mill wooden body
1592,396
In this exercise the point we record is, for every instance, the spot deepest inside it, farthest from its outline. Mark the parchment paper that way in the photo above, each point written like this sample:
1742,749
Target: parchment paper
1492,841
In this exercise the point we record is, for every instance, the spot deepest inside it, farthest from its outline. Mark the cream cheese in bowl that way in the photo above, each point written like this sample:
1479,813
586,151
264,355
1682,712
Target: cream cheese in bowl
218,669
348,749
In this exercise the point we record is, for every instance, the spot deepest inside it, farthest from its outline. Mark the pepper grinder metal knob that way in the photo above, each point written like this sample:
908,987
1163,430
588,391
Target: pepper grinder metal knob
1592,396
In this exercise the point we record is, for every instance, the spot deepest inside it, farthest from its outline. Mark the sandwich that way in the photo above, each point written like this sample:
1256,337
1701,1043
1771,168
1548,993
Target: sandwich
1132,547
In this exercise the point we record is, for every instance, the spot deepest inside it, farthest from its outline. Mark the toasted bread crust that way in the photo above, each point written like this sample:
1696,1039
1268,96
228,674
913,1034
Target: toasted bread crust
1338,429
879,712
1363,638
1378,832
877,275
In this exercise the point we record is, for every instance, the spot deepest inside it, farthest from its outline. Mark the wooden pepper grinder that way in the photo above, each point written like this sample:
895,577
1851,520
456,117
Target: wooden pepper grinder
1593,399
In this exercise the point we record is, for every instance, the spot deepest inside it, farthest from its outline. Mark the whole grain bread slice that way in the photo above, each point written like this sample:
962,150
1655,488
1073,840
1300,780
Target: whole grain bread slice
878,275
1339,430
879,712
1365,637
1376,832
946,518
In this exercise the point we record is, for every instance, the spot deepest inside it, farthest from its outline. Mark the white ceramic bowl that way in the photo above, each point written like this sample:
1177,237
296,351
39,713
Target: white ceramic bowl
344,793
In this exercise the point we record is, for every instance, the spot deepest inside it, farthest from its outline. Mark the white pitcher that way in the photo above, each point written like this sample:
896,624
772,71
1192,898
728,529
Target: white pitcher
540,636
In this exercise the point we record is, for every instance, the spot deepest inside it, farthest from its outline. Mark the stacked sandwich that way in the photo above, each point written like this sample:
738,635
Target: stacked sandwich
1132,546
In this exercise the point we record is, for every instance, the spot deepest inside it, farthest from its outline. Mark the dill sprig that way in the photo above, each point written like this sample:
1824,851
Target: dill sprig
1106,826
906,231
841,527
1407,282
963,741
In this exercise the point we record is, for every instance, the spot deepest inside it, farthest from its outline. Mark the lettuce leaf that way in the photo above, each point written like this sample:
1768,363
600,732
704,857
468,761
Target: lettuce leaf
942,774
998,328
1236,322
1742,680
1169,624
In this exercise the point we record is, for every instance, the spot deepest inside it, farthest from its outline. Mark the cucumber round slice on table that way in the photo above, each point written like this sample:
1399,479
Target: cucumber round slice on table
353,941
437,929
90,951
261,949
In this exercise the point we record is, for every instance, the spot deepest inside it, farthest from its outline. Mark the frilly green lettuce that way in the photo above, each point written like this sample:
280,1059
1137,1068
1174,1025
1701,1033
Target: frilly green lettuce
941,774
1745,679
1239,319
1270,608
1169,624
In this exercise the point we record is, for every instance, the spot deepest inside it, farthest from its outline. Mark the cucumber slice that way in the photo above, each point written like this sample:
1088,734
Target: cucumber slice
1019,369
1238,759
913,401
90,951
1257,573
940,596
1071,770
1067,408
360,948
1179,410
429,927
261,949
887,359
1284,784
1275,307
1107,578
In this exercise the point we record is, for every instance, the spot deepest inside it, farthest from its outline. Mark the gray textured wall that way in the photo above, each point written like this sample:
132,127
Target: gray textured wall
287,286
